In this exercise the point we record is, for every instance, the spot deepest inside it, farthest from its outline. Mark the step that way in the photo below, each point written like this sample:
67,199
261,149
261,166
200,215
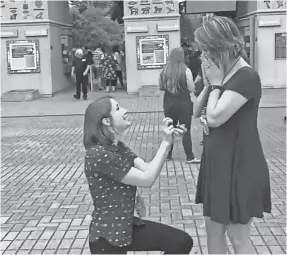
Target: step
20,95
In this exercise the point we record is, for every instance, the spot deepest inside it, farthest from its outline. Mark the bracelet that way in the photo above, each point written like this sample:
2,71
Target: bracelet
213,87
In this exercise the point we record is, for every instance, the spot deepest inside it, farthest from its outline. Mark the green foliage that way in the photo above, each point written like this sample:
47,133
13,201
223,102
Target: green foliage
96,22
93,26
117,11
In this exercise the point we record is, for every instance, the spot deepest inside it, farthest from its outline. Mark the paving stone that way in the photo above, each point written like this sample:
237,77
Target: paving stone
54,243
11,236
46,198
28,244
52,252
75,251
41,244
4,245
62,251
262,249
276,249
79,243
66,243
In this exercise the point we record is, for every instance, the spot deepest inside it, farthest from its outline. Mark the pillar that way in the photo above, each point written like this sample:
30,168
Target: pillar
152,29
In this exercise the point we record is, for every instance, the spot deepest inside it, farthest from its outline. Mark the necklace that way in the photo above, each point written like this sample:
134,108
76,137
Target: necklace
230,70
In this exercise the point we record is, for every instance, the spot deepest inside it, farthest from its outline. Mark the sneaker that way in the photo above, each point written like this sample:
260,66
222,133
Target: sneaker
85,98
75,96
193,161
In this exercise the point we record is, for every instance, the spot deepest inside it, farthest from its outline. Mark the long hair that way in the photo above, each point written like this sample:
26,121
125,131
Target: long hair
94,131
173,74
219,35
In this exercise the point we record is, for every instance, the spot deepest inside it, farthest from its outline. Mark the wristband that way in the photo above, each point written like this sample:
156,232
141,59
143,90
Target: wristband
213,87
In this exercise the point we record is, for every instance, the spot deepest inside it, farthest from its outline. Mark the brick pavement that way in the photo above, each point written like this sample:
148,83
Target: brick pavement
46,205
63,103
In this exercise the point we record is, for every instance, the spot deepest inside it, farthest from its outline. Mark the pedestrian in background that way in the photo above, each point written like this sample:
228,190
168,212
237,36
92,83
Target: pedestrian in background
114,173
233,183
177,83
98,56
109,70
118,58
80,69
90,62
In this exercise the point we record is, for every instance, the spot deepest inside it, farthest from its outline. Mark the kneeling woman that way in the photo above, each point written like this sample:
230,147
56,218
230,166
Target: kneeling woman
114,172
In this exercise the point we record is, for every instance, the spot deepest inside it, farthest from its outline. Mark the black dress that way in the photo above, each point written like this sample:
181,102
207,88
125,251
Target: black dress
233,182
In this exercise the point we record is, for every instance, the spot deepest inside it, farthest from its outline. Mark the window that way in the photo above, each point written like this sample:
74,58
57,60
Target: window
280,45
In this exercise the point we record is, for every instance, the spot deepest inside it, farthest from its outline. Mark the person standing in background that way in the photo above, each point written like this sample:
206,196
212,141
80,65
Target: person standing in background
109,69
80,69
98,56
118,58
177,83
89,58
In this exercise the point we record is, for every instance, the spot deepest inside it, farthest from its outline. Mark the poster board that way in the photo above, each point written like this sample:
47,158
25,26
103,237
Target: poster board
23,56
152,51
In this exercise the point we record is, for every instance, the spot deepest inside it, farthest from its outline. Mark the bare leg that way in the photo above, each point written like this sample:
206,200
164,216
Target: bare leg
239,236
216,240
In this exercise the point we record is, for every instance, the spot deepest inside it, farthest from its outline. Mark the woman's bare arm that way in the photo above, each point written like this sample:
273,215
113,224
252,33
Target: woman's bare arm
200,102
144,174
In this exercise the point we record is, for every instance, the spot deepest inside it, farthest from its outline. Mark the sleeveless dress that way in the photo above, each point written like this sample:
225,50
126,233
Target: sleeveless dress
233,183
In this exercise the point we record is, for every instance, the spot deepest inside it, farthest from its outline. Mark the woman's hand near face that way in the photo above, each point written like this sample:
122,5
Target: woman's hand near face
204,78
212,72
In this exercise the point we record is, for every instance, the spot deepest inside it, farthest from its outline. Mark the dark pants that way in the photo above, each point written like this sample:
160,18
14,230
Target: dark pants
120,76
82,84
150,237
182,113
112,83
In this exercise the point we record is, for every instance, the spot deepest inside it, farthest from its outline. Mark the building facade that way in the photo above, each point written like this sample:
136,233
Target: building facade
263,26
152,30
36,40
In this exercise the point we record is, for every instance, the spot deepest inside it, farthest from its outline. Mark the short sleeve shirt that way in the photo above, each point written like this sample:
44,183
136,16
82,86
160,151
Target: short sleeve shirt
80,65
114,202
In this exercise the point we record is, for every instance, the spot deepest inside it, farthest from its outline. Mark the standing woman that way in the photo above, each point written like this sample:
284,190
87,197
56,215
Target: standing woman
233,183
114,172
109,72
118,57
177,83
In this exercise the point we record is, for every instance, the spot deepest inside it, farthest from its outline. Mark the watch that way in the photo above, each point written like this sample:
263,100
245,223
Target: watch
213,87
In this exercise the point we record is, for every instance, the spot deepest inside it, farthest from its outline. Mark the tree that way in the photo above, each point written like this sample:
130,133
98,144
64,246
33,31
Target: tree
93,27
117,11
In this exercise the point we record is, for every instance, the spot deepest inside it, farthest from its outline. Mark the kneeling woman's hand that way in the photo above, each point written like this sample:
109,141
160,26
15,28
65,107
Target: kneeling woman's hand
172,134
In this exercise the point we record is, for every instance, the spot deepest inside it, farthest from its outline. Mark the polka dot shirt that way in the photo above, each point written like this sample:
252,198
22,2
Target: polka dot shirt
114,202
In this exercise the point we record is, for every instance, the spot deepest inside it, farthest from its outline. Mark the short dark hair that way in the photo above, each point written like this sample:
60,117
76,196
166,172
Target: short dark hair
93,126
